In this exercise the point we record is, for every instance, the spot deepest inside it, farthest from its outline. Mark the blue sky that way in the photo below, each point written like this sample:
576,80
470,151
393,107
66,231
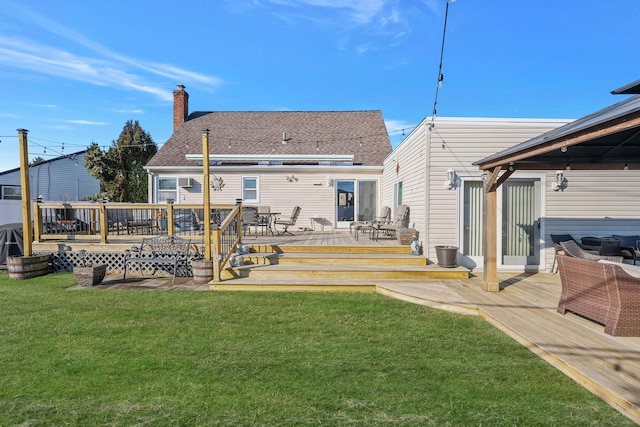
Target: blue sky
73,72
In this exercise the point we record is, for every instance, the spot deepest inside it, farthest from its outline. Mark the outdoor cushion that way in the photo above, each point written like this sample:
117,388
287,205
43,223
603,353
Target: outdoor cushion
557,238
631,270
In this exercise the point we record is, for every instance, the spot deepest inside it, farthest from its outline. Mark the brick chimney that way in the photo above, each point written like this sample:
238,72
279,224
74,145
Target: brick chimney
180,106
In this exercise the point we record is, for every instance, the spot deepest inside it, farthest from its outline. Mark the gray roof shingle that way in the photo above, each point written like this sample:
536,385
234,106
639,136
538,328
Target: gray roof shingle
360,133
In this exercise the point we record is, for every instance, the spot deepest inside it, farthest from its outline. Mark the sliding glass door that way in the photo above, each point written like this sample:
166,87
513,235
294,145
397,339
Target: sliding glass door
519,207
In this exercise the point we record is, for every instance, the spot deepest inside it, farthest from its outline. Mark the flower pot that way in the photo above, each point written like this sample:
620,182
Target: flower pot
27,267
202,271
404,235
447,255
91,275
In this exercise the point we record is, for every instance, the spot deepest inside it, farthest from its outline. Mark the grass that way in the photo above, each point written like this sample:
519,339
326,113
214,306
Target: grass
92,357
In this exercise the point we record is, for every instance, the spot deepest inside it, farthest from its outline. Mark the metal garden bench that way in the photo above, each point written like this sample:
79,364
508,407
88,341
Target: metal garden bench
157,252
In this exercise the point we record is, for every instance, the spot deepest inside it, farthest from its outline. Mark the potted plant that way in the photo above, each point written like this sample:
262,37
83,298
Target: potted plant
91,274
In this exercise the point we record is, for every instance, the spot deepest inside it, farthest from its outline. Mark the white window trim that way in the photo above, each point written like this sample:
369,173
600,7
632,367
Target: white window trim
257,179
158,190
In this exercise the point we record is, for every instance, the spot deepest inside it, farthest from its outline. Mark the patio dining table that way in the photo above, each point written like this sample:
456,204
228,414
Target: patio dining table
266,219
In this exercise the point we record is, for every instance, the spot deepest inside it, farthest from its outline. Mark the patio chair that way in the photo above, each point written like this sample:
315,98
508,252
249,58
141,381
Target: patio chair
362,226
288,222
249,219
572,248
557,239
401,221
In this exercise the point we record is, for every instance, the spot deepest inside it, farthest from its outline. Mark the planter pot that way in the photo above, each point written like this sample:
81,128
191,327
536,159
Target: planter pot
404,235
447,255
202,271
90,276
26,267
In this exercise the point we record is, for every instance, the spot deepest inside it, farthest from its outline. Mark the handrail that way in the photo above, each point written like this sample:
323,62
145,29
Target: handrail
105,221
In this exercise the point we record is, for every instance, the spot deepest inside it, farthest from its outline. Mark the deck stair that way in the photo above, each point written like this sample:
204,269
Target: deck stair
335,267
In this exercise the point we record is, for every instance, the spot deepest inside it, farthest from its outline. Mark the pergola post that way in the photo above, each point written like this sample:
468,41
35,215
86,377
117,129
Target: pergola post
490,220
27,232
490,274
206,195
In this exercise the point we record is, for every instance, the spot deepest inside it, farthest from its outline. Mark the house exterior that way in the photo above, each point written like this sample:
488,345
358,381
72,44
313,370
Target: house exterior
327,162
449,212
59,179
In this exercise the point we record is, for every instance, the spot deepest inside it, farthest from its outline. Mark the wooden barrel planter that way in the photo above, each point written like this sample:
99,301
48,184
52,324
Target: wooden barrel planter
90,276
202,271
27,267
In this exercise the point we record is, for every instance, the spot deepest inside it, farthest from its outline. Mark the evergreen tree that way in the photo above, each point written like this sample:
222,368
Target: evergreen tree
120,168
36,160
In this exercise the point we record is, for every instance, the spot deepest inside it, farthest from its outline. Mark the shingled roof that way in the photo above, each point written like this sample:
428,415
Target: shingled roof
360,133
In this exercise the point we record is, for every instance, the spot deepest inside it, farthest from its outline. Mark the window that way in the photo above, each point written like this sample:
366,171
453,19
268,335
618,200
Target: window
167,189
11,192
397,193
250,189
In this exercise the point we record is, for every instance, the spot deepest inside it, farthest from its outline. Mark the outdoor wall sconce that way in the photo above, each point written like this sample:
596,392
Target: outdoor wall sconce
291,178
450,183
329,181
560,182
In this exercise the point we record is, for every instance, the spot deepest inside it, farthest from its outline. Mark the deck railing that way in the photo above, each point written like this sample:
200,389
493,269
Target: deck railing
110,222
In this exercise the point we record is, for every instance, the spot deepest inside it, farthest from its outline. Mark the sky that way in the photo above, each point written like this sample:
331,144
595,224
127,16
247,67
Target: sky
74,72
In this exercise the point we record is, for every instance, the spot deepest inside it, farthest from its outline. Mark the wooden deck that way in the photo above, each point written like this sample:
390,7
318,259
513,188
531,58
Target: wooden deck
525,309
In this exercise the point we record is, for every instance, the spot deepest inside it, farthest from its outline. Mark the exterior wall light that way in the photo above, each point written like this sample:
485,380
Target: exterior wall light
560,182
450,183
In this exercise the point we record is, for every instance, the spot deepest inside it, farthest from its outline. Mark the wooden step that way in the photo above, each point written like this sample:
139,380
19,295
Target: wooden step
299,258
271,248
345,273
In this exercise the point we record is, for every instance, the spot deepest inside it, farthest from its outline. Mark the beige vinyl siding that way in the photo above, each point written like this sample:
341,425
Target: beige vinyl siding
594,203
466,141
309,190
408,163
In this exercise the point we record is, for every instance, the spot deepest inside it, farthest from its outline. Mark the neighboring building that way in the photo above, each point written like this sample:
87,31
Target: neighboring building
60,179
327,162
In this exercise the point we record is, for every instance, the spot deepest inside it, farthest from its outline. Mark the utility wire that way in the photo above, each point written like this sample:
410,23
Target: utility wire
440,75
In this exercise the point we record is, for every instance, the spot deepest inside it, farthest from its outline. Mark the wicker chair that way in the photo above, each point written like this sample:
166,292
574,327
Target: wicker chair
571,248
606,292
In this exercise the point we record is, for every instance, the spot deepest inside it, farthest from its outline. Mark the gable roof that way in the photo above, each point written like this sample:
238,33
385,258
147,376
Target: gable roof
362,134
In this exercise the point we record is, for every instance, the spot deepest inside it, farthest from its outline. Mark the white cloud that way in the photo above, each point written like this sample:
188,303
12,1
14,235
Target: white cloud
105,68
86,122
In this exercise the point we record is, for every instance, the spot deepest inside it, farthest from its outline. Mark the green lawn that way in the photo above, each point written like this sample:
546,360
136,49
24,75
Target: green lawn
92,357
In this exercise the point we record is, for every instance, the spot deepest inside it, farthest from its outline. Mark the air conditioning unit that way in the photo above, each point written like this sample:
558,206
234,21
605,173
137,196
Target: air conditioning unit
184,182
